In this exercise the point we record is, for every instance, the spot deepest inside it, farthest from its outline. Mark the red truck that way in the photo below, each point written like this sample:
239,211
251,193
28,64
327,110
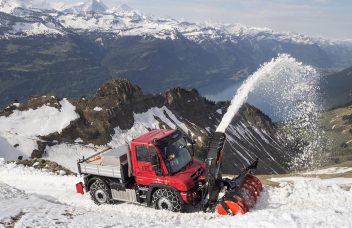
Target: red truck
157,169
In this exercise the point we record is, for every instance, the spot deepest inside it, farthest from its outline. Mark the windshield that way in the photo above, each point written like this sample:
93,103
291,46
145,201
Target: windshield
176,155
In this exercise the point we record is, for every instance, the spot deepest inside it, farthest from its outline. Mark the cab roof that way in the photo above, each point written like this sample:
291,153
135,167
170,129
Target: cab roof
152,135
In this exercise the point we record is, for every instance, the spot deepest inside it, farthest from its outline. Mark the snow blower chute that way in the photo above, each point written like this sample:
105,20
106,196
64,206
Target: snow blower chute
238,195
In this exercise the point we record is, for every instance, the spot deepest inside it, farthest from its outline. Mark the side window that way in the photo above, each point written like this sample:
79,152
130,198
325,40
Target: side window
142,154
152,151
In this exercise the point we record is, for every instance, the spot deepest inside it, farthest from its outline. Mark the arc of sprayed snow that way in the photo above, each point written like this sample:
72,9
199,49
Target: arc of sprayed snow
237,101
252,81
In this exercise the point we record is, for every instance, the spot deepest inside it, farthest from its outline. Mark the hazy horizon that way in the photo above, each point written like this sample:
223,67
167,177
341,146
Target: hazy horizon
317,18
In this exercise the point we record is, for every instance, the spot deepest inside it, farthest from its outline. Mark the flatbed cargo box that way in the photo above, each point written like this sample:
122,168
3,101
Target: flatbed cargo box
110,163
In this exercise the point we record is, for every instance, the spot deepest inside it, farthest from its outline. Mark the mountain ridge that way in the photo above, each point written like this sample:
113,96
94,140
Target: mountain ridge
56,47
196,32
92,6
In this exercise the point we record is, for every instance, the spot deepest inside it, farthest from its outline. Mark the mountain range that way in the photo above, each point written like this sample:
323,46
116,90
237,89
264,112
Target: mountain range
71,50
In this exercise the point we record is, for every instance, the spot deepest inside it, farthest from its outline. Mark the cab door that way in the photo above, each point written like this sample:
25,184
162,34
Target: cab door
144,172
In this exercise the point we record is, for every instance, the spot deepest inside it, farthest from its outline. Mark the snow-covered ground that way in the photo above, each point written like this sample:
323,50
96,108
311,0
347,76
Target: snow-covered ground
21,128
29,197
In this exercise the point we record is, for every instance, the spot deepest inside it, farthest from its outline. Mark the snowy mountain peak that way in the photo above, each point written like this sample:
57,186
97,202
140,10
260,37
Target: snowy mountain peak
91,6
124,7
125,11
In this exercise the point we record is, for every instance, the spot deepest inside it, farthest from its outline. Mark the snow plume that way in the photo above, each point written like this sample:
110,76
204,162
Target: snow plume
283,66
292,88
293,93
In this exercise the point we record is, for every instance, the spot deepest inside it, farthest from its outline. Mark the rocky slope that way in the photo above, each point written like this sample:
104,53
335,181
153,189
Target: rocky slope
337,122
72,51
337,88
120,111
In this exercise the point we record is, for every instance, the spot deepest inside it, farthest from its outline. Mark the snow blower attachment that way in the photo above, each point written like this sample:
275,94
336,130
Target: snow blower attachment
240,193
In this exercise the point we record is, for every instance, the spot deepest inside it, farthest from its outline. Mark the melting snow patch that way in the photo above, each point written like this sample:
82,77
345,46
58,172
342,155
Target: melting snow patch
78,140
97,109
23,127
164,114
144,121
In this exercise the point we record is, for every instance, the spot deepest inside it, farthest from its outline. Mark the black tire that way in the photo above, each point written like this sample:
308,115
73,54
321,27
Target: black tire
100,192
166,199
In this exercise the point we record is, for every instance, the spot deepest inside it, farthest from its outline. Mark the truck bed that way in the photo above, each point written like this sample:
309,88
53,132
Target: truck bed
107,163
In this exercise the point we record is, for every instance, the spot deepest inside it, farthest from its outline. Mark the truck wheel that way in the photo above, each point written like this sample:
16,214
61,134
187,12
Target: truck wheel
166,199
100,192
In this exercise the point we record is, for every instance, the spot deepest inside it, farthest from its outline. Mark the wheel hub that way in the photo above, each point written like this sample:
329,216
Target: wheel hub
164,204
100,196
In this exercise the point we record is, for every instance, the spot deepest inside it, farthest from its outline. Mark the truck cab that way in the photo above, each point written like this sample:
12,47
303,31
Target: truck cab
156,169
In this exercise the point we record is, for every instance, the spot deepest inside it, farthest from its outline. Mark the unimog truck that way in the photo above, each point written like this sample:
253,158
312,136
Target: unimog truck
157,169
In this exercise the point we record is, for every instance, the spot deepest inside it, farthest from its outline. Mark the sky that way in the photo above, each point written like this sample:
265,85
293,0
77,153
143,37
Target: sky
318,18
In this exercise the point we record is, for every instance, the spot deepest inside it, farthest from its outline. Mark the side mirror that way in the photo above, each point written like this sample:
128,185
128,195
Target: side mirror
156,164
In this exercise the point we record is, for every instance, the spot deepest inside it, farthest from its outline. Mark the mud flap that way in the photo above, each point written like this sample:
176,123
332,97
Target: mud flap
80,188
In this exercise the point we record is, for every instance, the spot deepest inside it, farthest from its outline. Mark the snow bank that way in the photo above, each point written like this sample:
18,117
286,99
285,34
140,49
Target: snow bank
48,199
23,127
97,109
